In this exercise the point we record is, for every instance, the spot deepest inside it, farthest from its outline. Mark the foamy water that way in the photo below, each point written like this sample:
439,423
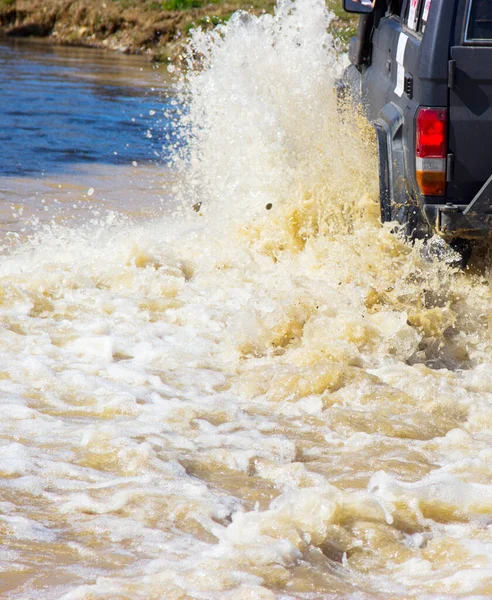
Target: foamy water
270,397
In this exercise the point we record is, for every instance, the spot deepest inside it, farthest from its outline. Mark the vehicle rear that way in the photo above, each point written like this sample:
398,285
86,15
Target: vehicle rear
405,94
446,70
424,78
469,162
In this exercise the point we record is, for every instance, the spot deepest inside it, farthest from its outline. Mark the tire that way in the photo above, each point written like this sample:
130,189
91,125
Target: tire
464,249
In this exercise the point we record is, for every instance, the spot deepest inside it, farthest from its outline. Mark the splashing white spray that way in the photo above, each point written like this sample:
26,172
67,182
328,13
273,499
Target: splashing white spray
261,110
248,403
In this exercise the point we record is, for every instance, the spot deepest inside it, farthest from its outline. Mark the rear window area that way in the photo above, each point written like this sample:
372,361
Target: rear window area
417,15
479,25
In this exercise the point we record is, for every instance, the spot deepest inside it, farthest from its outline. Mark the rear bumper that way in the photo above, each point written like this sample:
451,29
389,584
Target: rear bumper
450,221
473,220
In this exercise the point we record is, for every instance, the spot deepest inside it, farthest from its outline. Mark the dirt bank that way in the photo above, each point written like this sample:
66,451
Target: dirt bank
149,27
134,27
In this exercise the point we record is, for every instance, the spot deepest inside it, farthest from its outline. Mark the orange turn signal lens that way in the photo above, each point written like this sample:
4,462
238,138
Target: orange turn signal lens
431,183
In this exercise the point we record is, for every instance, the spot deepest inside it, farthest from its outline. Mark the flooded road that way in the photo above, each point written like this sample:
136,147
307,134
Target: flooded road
268,397
79,129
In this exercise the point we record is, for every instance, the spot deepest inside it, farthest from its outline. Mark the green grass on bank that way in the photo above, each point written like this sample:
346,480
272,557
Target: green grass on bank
268,5
344,26
184,5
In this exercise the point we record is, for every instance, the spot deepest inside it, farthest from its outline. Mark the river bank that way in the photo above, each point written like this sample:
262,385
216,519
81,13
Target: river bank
155,29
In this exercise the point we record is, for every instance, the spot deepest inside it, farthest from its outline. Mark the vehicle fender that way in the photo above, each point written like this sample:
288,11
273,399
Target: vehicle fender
392,174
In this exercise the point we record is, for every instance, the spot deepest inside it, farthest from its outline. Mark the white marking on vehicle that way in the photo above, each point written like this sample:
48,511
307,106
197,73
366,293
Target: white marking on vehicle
413,15
400,56
425,14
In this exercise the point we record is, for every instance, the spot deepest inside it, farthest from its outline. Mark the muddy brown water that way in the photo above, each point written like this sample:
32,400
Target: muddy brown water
234,402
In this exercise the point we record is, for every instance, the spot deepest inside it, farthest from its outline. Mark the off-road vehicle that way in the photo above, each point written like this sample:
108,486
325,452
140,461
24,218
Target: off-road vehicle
422,72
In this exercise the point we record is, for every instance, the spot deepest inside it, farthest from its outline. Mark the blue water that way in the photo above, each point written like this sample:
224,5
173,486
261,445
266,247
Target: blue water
65,107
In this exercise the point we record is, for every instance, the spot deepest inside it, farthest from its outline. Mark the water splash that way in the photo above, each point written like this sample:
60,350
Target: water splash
247,402
261,112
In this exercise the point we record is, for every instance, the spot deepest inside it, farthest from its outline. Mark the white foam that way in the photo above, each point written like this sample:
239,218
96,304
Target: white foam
240,402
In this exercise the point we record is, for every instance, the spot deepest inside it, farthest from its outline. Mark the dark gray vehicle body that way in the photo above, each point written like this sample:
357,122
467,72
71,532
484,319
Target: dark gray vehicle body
445,61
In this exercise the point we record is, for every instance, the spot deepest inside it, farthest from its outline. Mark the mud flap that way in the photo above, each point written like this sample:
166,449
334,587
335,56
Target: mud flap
385,194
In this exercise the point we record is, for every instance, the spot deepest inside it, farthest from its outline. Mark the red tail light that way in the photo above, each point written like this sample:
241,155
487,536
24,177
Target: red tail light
431,150
431,133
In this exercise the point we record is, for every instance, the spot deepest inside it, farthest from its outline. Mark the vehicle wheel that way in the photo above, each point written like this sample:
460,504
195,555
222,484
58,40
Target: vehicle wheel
455,254
464,248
